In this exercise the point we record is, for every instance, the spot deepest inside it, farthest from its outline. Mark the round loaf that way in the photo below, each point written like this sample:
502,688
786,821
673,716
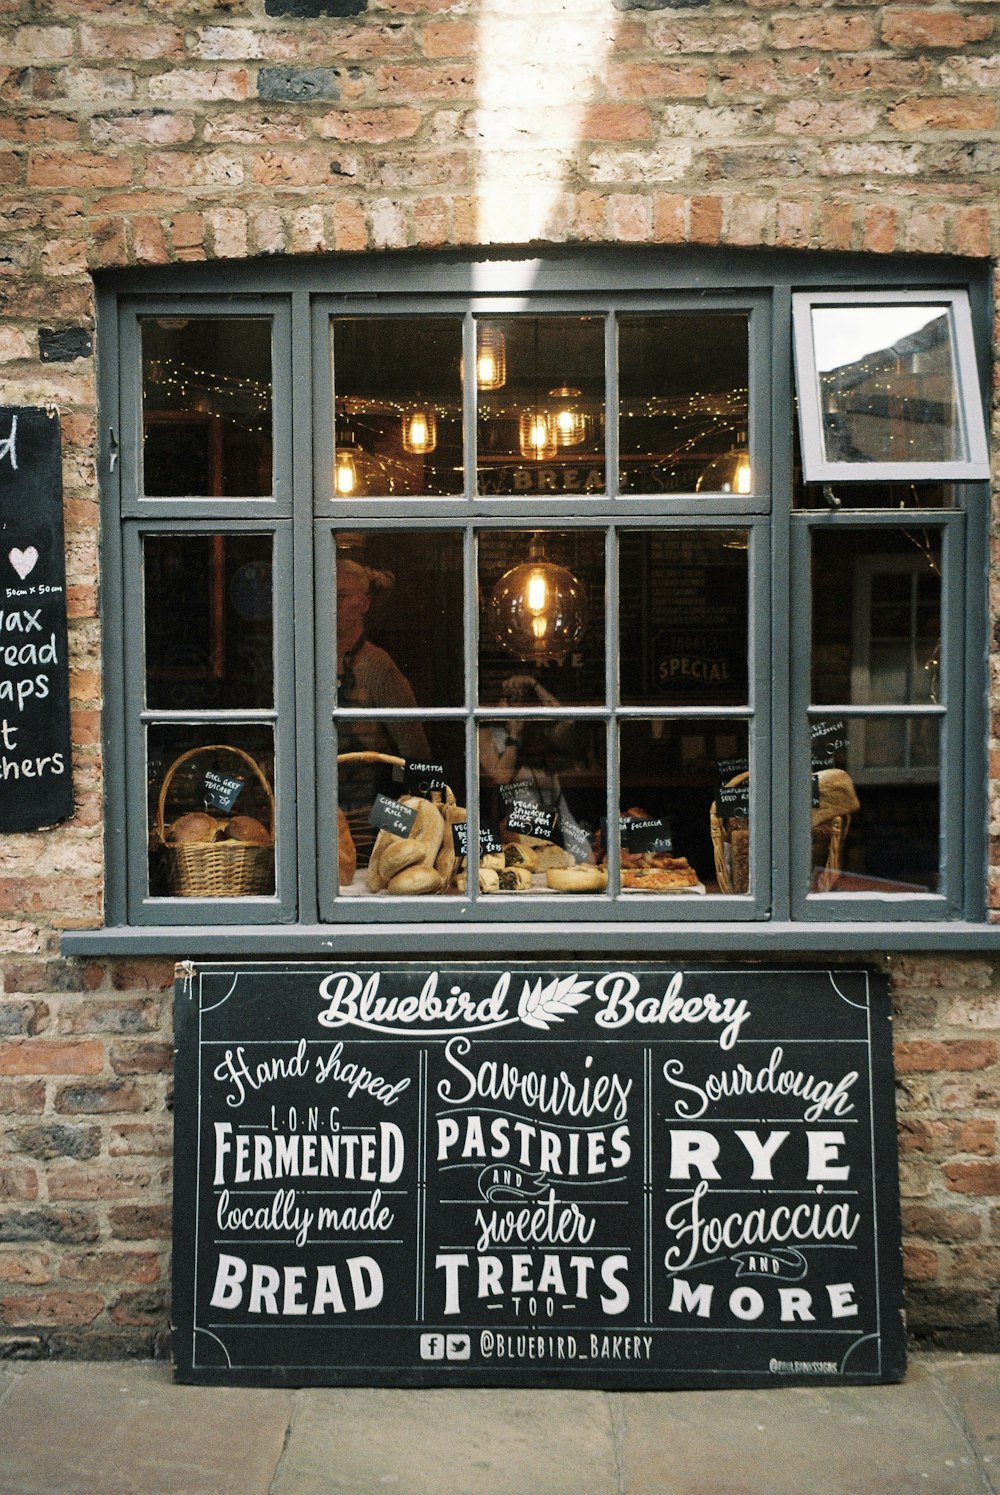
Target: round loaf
580,879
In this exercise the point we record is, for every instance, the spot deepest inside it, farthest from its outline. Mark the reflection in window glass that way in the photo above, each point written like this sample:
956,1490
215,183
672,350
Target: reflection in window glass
875,805
400,789
887,383
683,422
683,617
206,404
207,616
685,804
876,616
542,617
397,406
540,385
210,810
398,624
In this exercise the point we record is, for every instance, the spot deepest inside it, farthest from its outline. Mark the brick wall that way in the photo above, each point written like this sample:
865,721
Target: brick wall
164,131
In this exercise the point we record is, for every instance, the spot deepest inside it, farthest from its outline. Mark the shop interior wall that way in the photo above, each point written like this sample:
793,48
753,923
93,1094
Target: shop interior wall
159,132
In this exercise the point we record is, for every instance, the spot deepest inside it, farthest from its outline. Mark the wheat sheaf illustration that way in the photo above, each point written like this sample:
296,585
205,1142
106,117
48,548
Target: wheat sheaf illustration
541,1006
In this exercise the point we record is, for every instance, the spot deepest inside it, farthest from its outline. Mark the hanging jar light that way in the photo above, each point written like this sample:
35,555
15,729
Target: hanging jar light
357,473
569,420
537,610
730,472
420,431
491,356
536,435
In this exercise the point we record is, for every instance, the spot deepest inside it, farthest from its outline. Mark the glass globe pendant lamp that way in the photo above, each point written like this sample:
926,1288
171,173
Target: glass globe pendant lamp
538,610
419,431
536,435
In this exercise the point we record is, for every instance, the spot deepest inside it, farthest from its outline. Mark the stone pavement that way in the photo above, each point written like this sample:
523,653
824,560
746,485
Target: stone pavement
124,1428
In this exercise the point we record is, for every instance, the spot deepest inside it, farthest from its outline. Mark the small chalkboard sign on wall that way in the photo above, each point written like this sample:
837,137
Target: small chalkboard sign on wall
535,1175
36,781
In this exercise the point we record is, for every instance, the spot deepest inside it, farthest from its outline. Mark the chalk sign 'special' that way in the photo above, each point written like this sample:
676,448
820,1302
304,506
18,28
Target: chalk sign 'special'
535,1174
36,782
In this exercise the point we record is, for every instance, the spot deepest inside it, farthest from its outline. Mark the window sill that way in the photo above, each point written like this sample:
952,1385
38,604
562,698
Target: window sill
435,941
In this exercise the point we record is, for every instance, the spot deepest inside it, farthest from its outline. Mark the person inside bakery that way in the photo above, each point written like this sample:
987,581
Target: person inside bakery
524,751
367,675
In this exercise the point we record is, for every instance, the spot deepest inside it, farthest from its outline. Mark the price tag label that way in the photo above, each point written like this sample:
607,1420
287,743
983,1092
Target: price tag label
389,815
733,801
421,776
646,835
220,791
529,820
731,768
575,840
827,739
489,839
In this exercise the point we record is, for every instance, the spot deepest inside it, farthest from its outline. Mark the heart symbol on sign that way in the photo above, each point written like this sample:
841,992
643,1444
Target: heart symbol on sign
23,561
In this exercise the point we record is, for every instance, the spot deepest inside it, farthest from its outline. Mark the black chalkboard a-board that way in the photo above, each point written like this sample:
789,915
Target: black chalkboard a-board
535,1175
36,781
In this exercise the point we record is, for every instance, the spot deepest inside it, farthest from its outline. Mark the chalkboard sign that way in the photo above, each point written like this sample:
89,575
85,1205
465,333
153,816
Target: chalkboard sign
534,1174
36,782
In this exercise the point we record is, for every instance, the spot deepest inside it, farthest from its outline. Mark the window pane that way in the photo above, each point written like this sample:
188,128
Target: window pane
397,406
211,810
876,616
887,383
540,383
672,772
683,381
206,393
541,617
543,784
683,617
207,614
876,805
392,767
399,622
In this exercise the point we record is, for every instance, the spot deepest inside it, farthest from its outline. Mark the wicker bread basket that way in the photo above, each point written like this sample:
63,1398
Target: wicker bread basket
831,820
225,868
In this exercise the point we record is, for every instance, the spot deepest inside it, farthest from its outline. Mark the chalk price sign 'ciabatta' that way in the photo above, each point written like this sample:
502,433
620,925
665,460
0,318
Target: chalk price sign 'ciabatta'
535,1175
36,781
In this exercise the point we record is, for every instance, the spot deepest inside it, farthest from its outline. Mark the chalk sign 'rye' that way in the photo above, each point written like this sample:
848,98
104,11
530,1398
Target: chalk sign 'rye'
535,1175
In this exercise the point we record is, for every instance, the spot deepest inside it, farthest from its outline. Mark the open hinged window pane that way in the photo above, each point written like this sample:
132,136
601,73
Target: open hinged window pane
887,387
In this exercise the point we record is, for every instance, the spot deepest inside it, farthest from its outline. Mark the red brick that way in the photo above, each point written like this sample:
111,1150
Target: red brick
972,232
142,975
615,122
78,168
31,1267
972,1178
920,1263
968,115
836,225
111,1266
372,126
52,1056
955,1054
140,1223
450,39
17,1181
706,220
933,28
55,1309
350,231
657,80
140,1308
829,32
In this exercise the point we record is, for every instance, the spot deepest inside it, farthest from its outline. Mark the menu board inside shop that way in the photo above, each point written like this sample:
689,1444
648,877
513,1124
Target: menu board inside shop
36,780
535,1174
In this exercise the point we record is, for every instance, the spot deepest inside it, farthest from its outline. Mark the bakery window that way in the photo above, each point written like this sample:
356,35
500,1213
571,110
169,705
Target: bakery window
517,595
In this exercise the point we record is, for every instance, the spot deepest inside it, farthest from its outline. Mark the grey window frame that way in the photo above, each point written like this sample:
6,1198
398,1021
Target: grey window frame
778,916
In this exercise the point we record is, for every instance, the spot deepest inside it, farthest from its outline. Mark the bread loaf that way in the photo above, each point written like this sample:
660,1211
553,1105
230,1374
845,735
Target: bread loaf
347,856
195,827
